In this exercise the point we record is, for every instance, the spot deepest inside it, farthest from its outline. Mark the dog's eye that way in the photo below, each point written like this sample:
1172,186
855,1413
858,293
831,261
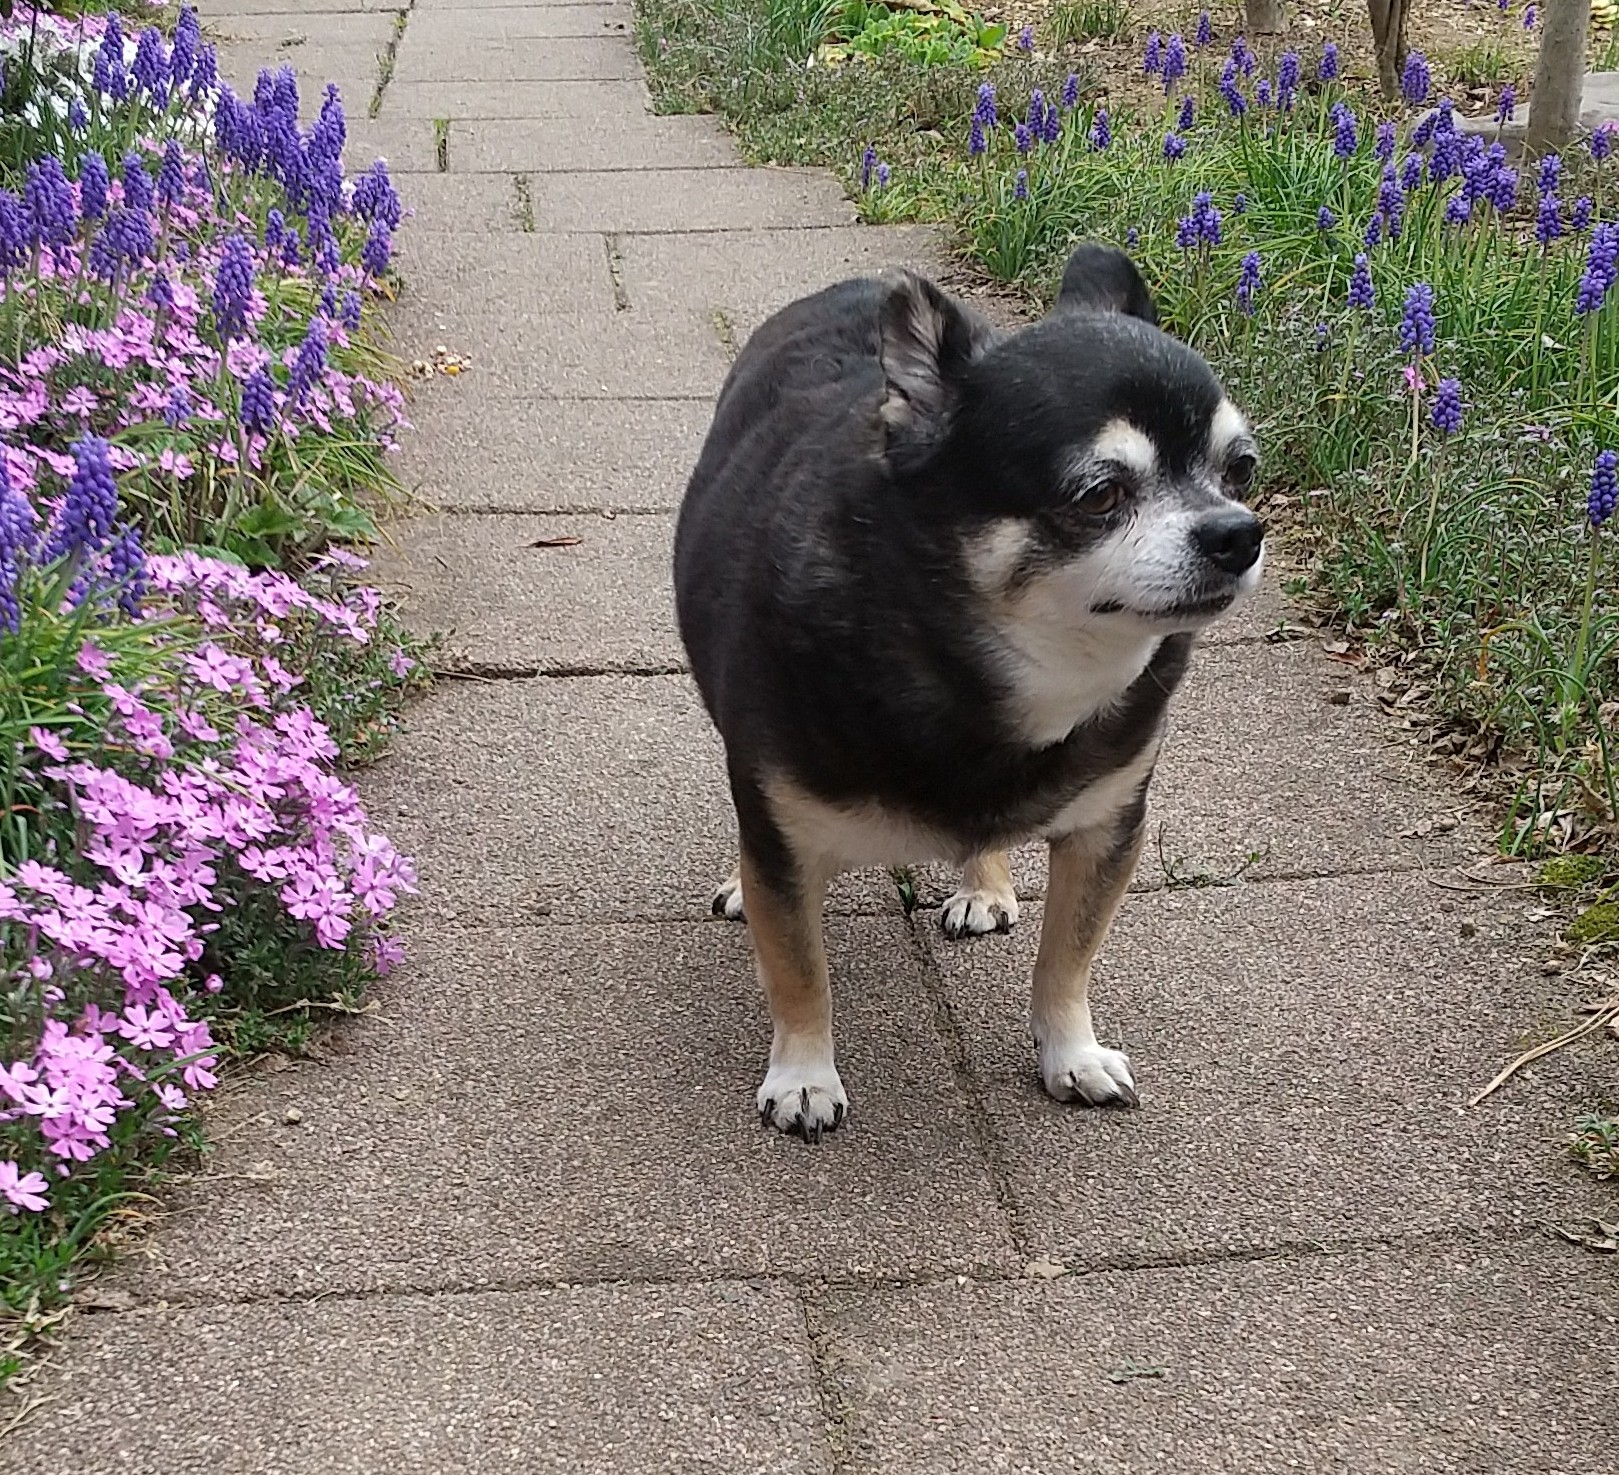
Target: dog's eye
1100,500
1239,473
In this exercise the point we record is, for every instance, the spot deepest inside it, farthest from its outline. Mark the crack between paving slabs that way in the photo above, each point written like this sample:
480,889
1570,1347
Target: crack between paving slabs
389,57
835,1417
808,1284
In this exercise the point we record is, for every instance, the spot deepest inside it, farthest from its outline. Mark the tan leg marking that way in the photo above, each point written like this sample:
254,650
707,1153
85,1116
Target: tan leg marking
1090,872
985,901
801,1092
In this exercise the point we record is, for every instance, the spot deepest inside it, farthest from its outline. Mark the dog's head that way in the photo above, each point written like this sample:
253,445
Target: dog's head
1097,465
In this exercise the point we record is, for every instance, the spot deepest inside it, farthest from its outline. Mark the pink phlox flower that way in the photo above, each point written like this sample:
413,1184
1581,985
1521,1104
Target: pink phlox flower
48,743
80,401
22,1190
93,662
146,1029
15,1078
401,664
278,675
196,726
176,463
124,701
217,667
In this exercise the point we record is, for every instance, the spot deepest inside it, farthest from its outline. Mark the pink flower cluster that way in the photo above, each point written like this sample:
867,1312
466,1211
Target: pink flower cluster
208,791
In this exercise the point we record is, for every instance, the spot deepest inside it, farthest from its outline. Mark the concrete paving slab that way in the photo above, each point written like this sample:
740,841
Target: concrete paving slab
689,199
1304,1053
316,63
471,100
577,1103
622,1378
1475,1361
462,204
453,279
513,594
221,11
302,31
408,144
520,22
465,58
627,145
554,455
569,356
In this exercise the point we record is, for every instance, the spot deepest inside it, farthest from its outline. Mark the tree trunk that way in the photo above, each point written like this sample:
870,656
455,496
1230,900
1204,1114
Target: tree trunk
1554,105
1388,38
1265,17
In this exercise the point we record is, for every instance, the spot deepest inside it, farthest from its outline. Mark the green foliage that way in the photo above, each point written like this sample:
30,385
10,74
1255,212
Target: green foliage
1089,20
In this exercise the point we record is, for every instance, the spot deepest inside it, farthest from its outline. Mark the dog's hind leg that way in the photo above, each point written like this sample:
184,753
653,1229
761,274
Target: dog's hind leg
1090,871
985,901
802,1092
727,900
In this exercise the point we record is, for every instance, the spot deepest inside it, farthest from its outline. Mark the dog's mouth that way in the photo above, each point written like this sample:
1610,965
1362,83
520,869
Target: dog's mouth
1206,607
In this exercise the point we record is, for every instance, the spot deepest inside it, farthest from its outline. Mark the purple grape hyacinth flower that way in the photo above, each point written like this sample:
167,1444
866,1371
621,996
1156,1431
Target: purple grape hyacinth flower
1549,220
1248,283
1262,94
52,218
1025,40
1458,210
983,109
1188,112
1505,104
1020,186
378,249
1101,131
1287,79
1604,496
126,571
150,68
1204,35
90,508
1530,16
1174,61
109,74
976,142
258,403
1022,137
1152,59
233,287
351,310
1579,217
1243,55
17,537
1346,135
1416,80
1417,322
1327,71
1602,141
1037,114
1324,219
187,37
94,184
1411,173
1447,407
1550,175
1601,269
1070,92
178,408
1174,146
1361,292
138,191
1384,147
1230,91
171,178
14,245
868,167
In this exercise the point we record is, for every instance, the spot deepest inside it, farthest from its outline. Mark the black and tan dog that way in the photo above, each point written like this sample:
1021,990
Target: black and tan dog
938,585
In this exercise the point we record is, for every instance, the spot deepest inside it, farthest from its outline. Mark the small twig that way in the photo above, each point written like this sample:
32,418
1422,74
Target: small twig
334,1007
1604,1013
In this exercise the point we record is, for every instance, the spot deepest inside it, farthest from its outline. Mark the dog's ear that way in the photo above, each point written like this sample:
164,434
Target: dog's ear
1103,279
928,341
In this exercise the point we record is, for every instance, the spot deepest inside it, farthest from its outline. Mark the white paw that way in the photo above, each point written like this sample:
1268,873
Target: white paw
727,900
973,913
804,1100
1091,1073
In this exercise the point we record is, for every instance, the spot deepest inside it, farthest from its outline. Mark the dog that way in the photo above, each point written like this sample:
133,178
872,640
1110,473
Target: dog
938,585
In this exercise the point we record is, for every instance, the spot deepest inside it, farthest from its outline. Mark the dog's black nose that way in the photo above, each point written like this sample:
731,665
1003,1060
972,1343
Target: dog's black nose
1230,539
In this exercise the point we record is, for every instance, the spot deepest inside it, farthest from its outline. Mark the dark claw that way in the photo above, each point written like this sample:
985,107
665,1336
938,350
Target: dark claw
811,1135
803,1101
766,1112
1003,921
1127,1095
837,1115
717,906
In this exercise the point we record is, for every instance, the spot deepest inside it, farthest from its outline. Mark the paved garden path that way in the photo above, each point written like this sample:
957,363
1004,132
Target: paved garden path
522,1218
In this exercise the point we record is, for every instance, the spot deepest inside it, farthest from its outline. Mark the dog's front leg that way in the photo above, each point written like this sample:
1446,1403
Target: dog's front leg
801,1092
1090,870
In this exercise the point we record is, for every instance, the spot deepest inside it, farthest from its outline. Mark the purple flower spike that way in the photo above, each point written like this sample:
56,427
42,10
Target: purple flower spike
1101,131
171,178
1346,135
1549,220
1417,322
1262,94
1416,81
14,234
138,194
1579,217
1361,292
1505,104
151,66
90,507
1604,488
1070,91
1248,283
1385,141
976,142
1183,123
1324,219
1174,146
1411,173
1328,70
1020,187
1530,16
1447,407
1022,138
126,571
109,74
868,167
187,37
258,403
1205,30
1174,61
1602,141
52,218
94,182
984,108
1025,40
233,287
1231,91
378,249
1550,175
1152,60
1287,79
1601,269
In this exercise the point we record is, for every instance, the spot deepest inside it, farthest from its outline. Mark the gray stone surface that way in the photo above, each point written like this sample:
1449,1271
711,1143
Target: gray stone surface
217,15
303,34
452,278
689,199
632,1379
568,355
461,205
510,599
497,24
459,100
475,58
485,452
409,146
577,1103
626,145
1471,1360
317,63
1304,1054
